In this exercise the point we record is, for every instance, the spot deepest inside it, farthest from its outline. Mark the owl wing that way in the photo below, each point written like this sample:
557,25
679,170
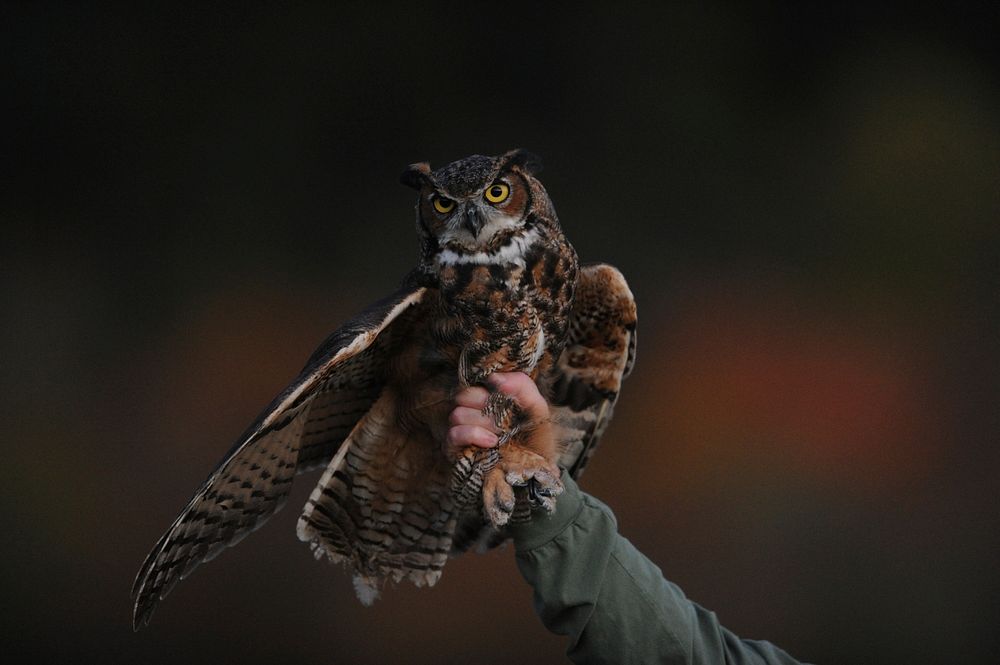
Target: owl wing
301,429
599,354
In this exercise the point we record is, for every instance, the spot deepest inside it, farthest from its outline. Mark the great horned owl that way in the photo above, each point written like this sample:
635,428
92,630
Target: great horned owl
497,288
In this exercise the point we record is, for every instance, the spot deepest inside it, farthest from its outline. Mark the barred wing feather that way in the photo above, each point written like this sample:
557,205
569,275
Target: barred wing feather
300,430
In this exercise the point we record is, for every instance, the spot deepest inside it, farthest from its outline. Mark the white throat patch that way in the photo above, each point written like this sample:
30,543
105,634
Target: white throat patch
510,254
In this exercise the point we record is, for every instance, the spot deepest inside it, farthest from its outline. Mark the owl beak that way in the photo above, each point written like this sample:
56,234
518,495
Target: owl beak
474,221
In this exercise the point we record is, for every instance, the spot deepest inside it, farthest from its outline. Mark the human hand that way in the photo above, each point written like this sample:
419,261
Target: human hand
468,425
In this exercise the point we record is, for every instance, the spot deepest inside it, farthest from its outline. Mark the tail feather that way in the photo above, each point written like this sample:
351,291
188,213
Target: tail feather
383,506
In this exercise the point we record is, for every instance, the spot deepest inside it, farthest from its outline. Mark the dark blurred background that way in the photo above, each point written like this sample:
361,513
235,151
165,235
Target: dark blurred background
804,201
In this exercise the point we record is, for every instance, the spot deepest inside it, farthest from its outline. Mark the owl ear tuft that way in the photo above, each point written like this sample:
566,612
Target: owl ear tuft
416,175
528,161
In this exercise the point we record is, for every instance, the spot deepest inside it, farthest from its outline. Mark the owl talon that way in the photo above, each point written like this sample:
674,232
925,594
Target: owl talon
536,493
544,495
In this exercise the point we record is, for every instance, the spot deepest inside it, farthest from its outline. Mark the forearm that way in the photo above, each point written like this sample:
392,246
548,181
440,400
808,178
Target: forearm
613,603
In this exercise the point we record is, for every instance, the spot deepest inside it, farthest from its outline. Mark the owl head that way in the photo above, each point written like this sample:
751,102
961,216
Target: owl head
485,209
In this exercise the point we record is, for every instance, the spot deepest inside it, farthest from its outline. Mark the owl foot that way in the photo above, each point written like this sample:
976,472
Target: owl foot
519,467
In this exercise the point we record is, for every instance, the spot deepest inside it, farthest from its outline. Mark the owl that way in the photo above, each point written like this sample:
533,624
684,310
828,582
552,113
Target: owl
497,289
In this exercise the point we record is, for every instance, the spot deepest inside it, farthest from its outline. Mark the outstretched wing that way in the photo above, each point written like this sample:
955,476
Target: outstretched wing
599,354
300,430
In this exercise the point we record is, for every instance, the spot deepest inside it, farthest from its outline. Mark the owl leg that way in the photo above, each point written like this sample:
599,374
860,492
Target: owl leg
527,459
468,472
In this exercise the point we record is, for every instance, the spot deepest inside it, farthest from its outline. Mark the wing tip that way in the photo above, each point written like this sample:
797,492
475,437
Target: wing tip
145,601
142,612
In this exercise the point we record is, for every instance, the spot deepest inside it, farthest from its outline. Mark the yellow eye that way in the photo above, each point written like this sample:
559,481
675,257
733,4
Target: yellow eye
497,193
443,205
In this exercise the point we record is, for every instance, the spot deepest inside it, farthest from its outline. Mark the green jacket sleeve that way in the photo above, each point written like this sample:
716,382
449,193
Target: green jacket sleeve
614,604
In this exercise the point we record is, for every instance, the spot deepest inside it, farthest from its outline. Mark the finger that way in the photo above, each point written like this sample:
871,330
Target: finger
463,436
523,390
463,415
473,398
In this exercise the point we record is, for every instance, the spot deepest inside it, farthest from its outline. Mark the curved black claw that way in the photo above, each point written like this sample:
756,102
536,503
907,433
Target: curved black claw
540,495
537,494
